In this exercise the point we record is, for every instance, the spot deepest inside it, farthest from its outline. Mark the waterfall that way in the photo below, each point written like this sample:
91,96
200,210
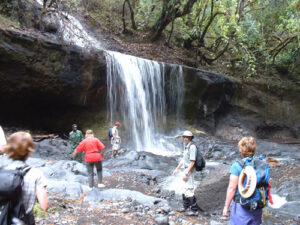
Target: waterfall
70,29
138,91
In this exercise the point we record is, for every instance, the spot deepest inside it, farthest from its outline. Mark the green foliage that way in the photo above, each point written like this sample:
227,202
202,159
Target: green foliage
248,36
40,214
147,12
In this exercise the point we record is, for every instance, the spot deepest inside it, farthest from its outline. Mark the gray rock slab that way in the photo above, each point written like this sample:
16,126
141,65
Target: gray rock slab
97,195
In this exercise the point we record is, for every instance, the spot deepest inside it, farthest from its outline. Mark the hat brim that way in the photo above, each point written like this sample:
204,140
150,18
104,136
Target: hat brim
247,190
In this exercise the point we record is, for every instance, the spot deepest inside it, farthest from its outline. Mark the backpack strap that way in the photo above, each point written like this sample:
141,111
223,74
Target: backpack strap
241,163
24,169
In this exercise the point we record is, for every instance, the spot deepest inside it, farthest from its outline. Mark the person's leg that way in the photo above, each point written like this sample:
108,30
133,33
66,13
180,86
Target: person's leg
99,173
194,206
90,169
189,193
186,204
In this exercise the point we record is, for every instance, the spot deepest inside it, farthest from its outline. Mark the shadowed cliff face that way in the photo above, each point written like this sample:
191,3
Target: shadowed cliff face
46,84
40,78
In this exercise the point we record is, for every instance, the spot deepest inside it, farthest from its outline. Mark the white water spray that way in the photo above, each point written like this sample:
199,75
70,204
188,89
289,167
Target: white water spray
71,30
137,96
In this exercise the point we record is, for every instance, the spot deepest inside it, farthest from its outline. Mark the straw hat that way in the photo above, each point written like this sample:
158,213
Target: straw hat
250,186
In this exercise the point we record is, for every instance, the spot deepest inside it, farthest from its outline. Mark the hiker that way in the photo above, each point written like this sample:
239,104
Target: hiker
19,147
75,137
2,140
115,140
239,213
190,207
93,158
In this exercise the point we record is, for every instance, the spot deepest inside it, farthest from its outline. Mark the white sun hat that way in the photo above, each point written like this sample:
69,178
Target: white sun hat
250,186
187,133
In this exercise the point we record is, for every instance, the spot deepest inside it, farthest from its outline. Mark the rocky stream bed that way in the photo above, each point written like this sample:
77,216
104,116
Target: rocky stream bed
140,188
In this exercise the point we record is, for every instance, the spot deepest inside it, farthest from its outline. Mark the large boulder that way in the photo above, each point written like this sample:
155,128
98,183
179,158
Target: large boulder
211,193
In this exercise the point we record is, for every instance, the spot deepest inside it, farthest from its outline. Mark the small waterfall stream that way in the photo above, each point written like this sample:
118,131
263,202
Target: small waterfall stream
138,95
141,93
70,29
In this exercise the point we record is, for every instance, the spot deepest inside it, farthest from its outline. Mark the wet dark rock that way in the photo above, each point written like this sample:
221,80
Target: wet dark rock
274,153
57,77
50,22
52,149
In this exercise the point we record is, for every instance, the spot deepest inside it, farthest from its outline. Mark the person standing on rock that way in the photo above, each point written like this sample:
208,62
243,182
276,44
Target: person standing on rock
190,207
94,151
115,140
240,214
75,137
19,147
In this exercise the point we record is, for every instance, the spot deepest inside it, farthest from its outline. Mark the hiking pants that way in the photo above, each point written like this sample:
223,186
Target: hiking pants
239,215
190,203
90,169
189,187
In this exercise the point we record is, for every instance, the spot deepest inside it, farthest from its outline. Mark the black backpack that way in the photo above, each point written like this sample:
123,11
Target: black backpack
11,203
200,161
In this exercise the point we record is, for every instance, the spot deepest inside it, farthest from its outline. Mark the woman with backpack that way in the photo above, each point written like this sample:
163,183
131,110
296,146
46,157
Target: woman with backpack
19,147
94,151
244,198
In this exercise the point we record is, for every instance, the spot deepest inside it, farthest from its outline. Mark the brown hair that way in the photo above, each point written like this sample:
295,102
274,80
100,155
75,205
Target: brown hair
247,146
19,146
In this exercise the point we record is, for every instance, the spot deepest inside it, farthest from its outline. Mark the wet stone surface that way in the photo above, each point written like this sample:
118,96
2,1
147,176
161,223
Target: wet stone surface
139,186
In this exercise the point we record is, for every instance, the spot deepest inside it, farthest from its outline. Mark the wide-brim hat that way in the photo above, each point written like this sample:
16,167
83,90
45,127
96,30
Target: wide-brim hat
247,190
187,133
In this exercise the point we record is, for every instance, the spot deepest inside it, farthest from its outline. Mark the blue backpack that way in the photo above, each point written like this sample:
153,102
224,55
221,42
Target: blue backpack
259,198
109,133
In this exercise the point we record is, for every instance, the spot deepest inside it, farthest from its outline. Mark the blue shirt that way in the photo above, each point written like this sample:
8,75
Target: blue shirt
236,169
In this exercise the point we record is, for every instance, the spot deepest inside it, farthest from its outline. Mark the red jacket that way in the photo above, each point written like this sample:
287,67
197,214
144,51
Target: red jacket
91,147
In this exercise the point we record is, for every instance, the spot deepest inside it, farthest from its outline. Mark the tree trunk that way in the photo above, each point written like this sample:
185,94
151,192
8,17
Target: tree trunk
170,12
133,25
123,17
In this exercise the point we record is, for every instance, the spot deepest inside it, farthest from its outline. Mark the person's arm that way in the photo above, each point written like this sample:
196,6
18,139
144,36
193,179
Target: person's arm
232,186
188,170
178,167
101,147
114,133
79,148
42,197
81,136
70,139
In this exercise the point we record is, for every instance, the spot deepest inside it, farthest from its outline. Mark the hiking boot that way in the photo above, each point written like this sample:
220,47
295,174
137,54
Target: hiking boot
101,185
191,213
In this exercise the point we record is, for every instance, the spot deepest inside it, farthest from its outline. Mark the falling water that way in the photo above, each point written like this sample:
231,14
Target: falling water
137,94
71,30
